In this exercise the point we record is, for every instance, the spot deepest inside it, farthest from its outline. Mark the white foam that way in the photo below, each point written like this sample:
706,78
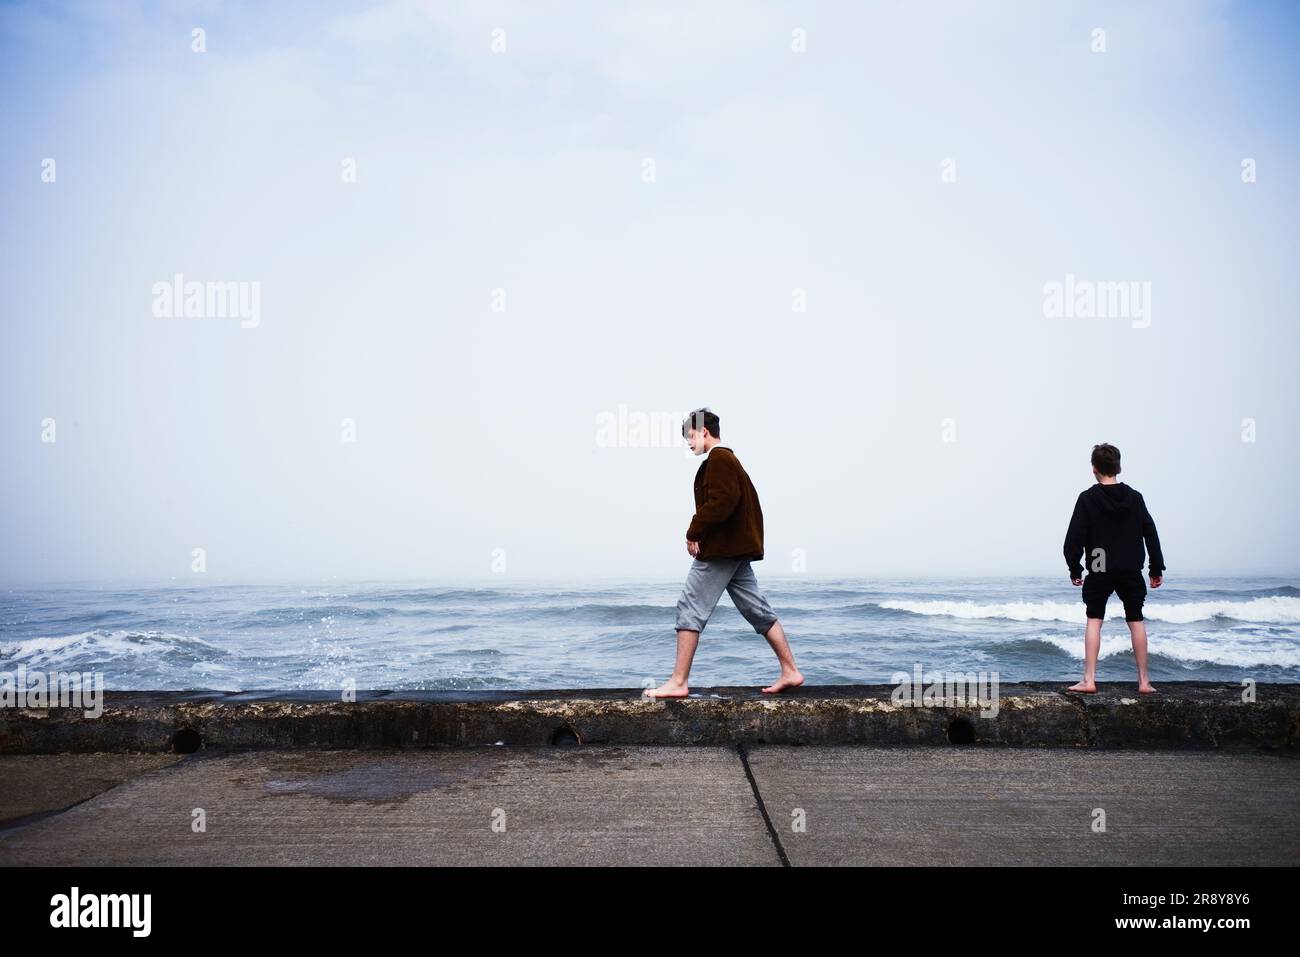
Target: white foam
99,644
1212,649
1271,610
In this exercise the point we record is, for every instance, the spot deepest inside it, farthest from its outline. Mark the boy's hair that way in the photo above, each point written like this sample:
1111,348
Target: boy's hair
1105,459
703,419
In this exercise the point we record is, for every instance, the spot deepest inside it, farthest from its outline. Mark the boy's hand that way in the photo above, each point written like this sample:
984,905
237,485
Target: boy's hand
1156,580
1076,581
693,547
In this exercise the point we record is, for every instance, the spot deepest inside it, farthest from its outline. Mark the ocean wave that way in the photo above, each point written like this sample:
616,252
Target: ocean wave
293,614
1283,591
433,596
1271,610
596,613
1191,650
100,645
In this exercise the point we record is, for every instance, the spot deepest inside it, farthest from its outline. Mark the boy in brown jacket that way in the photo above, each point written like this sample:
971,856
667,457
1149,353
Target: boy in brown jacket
725,535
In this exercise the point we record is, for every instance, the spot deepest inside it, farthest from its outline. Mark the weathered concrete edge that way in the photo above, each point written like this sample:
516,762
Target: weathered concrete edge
1182,715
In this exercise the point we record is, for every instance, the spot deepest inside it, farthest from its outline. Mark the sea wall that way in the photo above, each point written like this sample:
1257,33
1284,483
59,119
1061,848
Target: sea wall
1180,715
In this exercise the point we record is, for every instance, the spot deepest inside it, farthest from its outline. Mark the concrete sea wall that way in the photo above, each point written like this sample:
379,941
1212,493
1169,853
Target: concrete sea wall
1191,715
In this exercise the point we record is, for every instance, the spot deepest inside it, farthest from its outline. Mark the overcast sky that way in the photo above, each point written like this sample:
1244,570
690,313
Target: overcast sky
477,231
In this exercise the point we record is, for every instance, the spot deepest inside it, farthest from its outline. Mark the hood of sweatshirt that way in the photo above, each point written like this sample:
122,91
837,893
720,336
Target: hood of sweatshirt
1115,499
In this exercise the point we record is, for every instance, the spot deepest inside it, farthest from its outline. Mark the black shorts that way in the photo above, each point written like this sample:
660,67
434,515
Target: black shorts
1130,587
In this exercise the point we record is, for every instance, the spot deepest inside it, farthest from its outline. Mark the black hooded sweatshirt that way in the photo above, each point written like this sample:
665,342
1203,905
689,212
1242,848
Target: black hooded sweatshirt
1113,518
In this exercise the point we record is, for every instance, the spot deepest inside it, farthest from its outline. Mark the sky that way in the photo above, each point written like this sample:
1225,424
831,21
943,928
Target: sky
471,236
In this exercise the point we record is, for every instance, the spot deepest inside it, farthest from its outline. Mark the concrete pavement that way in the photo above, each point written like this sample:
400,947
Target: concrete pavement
628,805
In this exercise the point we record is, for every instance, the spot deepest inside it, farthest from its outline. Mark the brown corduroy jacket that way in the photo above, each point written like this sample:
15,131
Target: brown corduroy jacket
728,521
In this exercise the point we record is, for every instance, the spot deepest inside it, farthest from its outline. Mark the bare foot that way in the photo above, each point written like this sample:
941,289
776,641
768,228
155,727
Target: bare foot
1146,688
669,689
792,680
1087,687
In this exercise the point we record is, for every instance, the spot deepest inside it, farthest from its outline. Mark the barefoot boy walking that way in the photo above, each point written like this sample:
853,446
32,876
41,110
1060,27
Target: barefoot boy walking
725,535
1109,525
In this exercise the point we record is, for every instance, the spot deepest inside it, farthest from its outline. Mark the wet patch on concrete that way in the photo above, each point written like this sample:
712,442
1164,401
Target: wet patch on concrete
356,776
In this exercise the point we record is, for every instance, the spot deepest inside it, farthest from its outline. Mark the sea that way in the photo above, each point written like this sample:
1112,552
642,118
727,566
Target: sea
619,634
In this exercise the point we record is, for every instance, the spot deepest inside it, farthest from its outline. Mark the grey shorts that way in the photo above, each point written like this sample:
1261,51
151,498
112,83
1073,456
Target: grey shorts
705,583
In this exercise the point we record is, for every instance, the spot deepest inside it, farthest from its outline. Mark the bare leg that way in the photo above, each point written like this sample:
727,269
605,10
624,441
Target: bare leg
1138,631
1091,646
790,676
675,687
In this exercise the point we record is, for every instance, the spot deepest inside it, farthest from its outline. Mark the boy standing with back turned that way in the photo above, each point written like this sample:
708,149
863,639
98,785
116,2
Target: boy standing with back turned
1109,525
725,535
